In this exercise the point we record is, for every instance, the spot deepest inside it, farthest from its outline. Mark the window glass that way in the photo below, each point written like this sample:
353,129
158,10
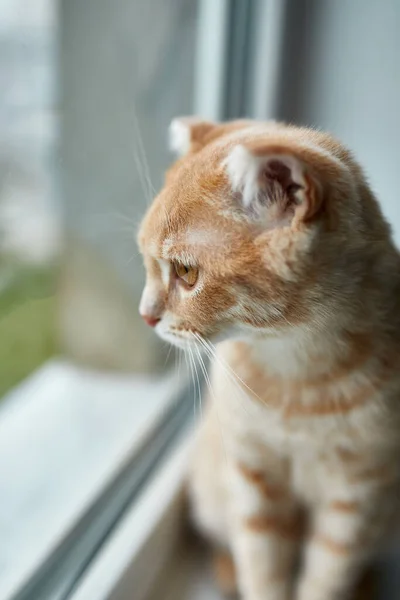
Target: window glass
125,75
87,91
29,230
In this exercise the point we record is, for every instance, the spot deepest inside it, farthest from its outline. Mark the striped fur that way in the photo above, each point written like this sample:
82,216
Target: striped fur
299,287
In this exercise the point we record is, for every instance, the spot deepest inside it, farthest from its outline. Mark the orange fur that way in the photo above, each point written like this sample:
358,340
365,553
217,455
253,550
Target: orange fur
299,286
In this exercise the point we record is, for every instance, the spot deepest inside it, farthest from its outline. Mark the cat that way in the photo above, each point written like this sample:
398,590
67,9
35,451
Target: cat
267,241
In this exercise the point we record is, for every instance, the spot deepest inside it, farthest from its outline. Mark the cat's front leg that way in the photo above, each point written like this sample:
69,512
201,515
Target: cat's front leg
344,535
265,534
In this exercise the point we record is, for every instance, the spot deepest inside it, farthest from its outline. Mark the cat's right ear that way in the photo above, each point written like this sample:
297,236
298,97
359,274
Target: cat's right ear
275,185
189,134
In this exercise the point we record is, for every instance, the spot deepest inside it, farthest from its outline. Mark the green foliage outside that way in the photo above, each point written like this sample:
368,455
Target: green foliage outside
27,320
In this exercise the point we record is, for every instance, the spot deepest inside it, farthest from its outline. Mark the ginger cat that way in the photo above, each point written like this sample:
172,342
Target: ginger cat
267,240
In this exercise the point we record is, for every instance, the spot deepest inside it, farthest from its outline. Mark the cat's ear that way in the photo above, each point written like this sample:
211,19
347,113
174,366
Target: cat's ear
189,134
272,185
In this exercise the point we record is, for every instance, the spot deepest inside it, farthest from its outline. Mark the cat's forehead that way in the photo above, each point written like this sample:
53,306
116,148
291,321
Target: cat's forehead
187,215
194,242
189,244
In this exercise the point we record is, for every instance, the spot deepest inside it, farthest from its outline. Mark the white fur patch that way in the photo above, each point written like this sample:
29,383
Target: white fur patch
205,237
179,137
321,563
247,496
244,169
148,301
340,526
165,268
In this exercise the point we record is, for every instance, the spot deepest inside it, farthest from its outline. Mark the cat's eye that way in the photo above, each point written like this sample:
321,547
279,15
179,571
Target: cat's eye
187,274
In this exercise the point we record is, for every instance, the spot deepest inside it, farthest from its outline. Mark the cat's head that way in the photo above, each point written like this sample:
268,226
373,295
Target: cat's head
257,229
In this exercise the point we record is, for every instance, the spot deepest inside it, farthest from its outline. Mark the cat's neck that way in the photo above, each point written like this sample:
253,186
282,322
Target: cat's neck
298,352
349,335
305,352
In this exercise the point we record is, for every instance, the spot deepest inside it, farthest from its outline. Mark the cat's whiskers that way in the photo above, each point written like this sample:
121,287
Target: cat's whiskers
137,146
234,377
212,355
238,392
168,354
106,223
106,218
141,161
189,369
131,258
131,227
178,359
209,385
197,378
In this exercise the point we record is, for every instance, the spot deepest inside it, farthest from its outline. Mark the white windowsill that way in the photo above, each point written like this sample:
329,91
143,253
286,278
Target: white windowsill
64,433
130,563
150,556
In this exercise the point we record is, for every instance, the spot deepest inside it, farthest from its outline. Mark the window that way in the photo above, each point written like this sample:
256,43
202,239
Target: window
29,233
94,410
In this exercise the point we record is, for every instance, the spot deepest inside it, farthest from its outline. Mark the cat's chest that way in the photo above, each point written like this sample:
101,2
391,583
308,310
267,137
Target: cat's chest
286,411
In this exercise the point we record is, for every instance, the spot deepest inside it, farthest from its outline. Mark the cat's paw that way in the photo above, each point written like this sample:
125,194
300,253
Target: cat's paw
316,590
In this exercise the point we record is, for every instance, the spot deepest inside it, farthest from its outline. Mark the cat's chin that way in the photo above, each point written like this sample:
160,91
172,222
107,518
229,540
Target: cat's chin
186,339
178,339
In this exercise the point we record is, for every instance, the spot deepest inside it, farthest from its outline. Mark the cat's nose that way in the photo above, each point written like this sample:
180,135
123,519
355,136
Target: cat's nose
151,321
151,306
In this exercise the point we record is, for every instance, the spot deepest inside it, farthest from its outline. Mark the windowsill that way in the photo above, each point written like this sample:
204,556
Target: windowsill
140,548
188,575
64,433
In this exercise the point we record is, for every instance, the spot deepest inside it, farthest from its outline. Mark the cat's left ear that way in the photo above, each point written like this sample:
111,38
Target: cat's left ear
189,134
273,185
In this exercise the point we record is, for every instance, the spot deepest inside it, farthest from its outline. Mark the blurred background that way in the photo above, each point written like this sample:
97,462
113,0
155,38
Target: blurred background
87,91
29,205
